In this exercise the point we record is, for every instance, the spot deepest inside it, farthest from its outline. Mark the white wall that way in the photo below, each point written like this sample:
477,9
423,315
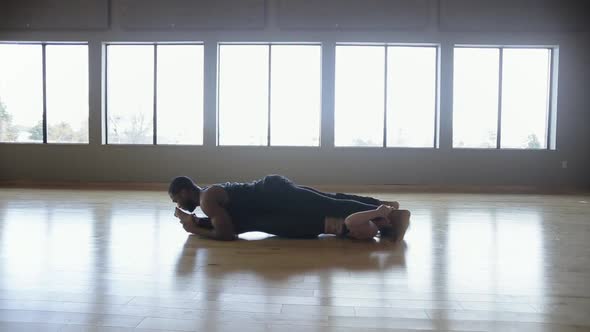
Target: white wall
446,22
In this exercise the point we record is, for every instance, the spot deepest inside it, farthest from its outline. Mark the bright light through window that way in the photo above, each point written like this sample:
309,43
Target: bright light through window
411,96
359,95
21,93
67,93
295,95
525,97
243,94
130,88
475,98
180,94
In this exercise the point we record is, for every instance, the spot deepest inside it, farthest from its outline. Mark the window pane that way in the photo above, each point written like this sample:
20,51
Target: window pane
411,96
67,93
21,93
295,95
359,100
475,97
243,94
180,94
525,94
130,88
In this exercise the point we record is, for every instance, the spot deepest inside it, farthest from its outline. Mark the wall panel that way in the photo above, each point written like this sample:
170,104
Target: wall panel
354,14
199,14
54,14
514,15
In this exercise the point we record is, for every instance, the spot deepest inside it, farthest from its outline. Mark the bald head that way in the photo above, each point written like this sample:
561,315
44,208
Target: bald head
180,183
184,192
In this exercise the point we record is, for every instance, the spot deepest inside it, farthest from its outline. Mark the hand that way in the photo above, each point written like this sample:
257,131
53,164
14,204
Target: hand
183,216
187,220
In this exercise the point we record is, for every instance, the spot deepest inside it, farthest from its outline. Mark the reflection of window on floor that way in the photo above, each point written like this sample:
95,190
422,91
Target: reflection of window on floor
385,91
506,237
269,94
23,99
501,97
177,108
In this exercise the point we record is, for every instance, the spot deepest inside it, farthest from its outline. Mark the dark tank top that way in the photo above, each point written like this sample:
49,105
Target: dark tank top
243,197
248,207
245,202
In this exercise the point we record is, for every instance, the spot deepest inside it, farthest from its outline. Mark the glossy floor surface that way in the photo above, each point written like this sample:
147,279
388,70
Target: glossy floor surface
118,260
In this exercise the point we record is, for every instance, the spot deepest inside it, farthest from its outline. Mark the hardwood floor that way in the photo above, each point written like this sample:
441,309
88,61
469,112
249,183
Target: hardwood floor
98,260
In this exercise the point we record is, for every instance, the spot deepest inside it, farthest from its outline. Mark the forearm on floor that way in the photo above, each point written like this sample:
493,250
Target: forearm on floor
208,231
198,229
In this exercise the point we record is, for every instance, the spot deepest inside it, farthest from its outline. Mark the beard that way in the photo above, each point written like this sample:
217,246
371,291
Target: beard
190,206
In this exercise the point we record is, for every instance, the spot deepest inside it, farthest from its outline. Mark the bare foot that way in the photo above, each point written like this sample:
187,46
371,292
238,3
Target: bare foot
400,221
393,204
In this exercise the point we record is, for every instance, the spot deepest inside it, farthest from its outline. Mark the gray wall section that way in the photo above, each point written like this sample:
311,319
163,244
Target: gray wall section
54,14
513,15
283,22
313,166
196,14
354,14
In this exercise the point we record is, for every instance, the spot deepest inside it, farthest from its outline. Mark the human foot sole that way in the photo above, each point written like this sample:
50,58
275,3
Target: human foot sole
400,220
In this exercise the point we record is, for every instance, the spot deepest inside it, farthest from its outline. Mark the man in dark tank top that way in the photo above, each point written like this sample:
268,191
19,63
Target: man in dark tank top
275,205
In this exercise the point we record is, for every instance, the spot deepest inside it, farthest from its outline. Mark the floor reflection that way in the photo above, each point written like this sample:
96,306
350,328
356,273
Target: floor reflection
502,248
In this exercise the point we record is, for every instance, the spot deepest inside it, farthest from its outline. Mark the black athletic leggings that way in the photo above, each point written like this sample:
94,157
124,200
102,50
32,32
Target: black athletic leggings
282,196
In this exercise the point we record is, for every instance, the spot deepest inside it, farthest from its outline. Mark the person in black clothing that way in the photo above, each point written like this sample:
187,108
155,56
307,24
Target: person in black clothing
275,205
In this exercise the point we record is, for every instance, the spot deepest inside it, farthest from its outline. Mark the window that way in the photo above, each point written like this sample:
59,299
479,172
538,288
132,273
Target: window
269,94
525,98
155,94
475,100
243,94
67,93
411,96
21,93
180,94
130,99
44,93
385,96
359,97
501,97
295,98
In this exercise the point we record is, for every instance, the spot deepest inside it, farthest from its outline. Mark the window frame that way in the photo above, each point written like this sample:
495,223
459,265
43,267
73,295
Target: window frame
551,110
269,91
105,83
436,132
43,45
